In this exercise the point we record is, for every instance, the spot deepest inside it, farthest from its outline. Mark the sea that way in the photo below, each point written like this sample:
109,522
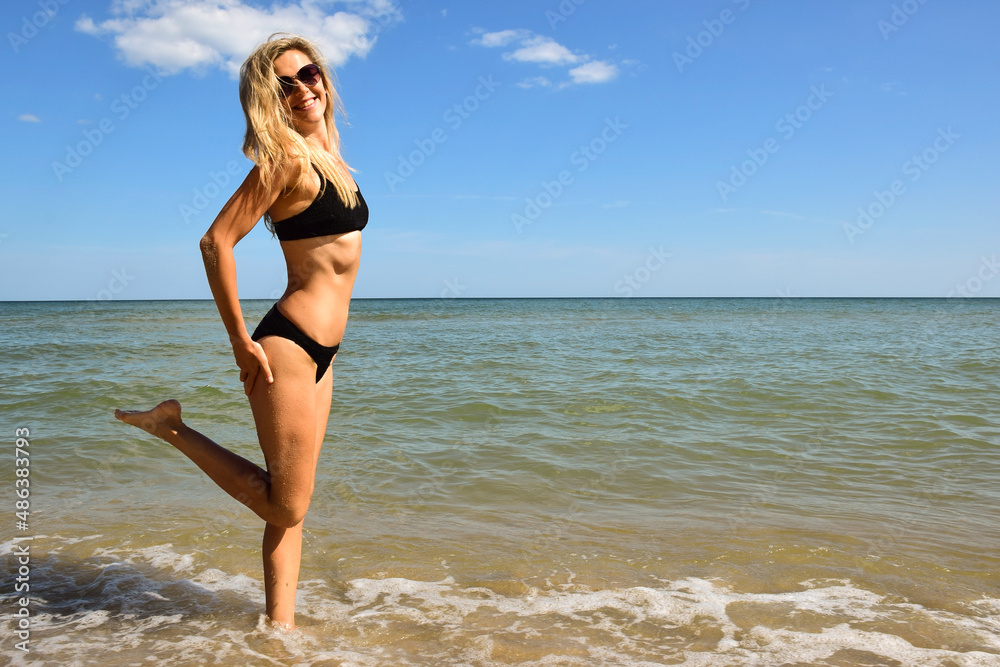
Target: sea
759,482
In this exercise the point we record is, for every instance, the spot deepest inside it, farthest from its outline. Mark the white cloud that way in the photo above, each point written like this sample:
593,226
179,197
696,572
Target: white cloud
501,38
534,82
174,35
546,52
596,71
29,118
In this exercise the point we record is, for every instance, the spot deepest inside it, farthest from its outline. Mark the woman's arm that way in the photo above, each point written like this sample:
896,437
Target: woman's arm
247,205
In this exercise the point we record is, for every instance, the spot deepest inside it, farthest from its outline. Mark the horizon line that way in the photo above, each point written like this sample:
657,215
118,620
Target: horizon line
519,298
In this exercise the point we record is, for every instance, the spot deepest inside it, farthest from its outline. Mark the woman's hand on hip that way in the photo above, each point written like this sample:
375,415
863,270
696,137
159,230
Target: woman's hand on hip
252,361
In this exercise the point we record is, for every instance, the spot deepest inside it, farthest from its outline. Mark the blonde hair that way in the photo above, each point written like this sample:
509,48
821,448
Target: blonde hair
271,140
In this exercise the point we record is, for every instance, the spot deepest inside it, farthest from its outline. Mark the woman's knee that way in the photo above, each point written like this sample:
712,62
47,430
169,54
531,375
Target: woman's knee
290,513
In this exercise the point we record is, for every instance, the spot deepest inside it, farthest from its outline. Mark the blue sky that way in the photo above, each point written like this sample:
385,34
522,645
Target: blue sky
524,148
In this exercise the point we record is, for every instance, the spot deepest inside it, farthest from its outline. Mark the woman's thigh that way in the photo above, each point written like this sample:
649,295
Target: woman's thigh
285,413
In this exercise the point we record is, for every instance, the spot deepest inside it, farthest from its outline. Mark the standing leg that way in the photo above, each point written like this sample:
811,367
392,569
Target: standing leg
282,554
291,444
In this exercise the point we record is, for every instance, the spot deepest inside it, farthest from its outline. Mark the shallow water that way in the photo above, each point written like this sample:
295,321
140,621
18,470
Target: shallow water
529,482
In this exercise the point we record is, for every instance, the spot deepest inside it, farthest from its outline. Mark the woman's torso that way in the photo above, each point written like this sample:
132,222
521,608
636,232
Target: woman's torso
321,269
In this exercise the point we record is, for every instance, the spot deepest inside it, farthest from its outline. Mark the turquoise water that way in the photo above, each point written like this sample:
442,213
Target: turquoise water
529,482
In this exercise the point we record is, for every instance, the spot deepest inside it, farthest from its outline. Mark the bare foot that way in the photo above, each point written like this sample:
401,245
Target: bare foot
278,625
164,418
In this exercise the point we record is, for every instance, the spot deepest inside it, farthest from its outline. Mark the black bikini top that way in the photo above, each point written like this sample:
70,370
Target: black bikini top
326,215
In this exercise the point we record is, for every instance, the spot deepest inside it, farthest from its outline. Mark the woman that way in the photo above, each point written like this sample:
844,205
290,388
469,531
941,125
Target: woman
303,189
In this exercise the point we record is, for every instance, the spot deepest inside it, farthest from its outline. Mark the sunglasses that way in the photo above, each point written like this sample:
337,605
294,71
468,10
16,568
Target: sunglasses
308,75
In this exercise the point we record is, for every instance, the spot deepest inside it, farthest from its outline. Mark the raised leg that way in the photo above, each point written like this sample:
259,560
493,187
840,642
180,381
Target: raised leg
240,478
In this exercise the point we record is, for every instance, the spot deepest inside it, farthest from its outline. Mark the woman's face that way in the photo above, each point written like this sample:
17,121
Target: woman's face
306,104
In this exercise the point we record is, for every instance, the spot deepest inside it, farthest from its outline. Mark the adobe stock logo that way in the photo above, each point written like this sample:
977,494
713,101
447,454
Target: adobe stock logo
787,125
581,158
455,116
453,289
915,168
122,107
988,270
215,185
714,28
633,282
119,281
565,9
38,20
900,16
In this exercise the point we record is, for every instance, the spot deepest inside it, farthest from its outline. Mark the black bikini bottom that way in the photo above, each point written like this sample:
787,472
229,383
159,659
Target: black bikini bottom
276,324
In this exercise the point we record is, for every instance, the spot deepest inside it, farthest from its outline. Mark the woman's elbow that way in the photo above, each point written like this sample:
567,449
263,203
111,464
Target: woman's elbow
209,250
209,245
